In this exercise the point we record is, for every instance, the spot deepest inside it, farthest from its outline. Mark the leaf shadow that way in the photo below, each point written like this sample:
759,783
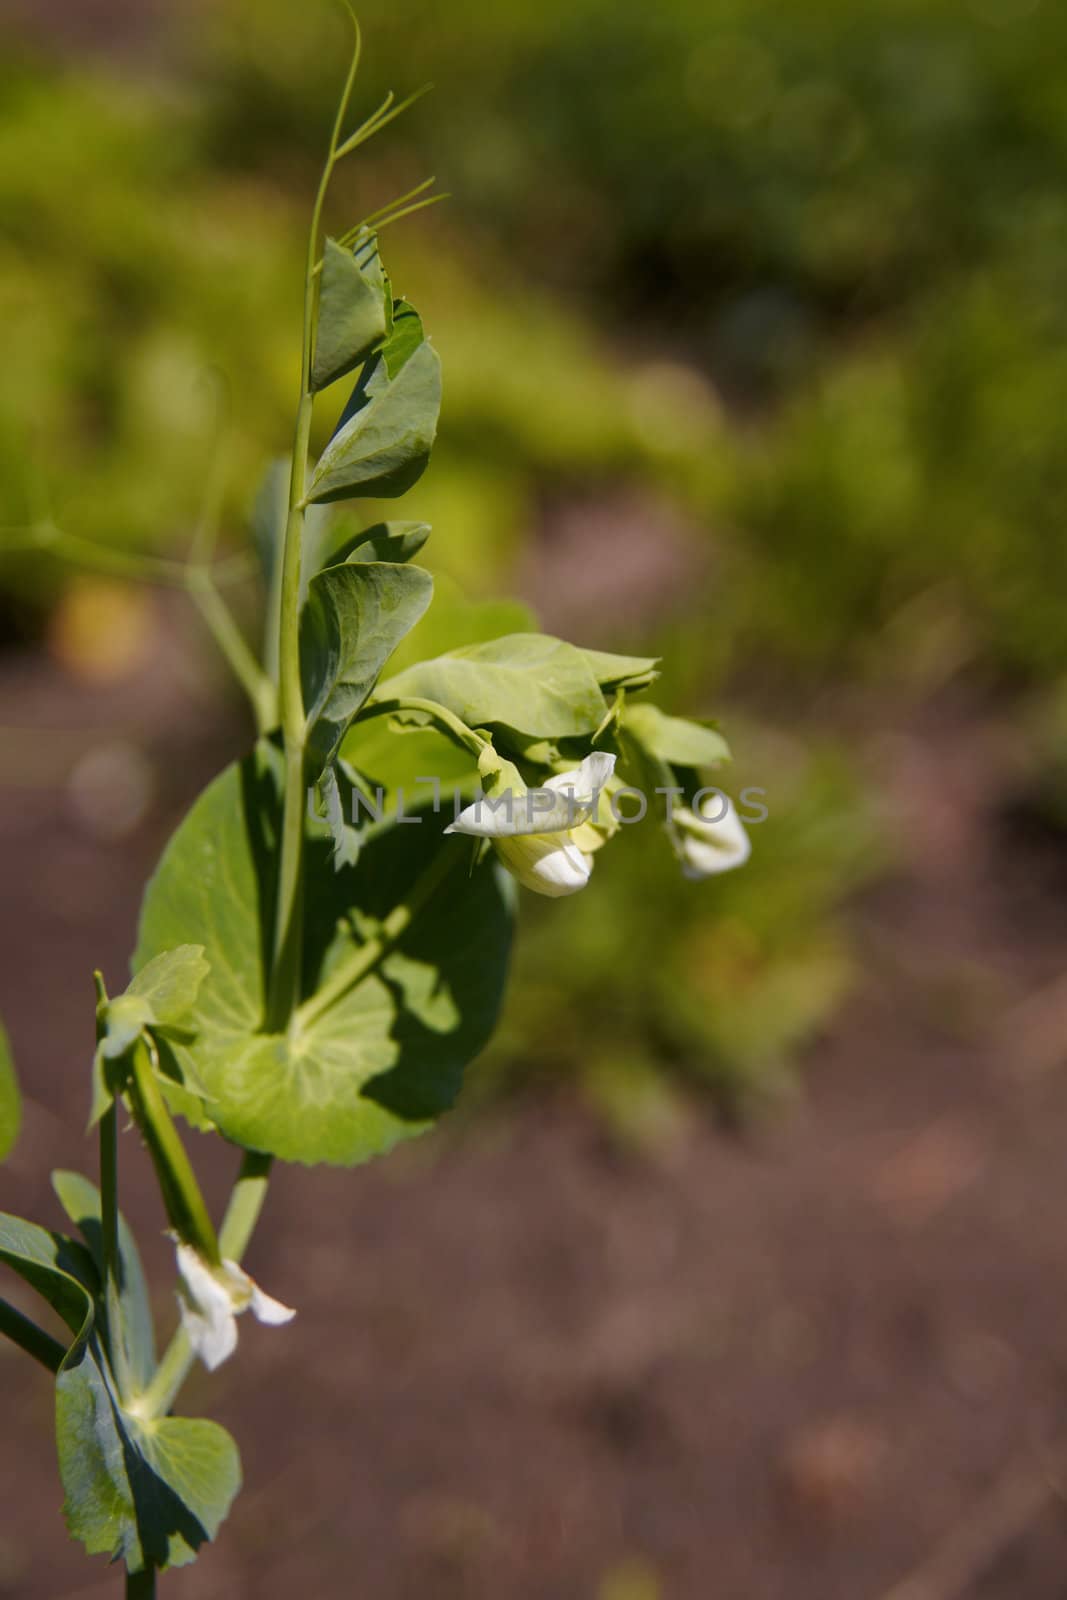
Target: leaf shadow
462,937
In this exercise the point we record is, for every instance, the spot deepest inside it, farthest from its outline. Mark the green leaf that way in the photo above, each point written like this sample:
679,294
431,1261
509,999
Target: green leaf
10,1100
622,672
399,759
355,310
80,1199
144,1492
530,682
136,1490
159,999
169,985
405,336
454,622
389,1057
387,541
675,740
386,432
60,1270
355,617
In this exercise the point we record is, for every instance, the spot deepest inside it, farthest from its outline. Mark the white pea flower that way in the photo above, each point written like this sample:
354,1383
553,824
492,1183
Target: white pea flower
710,839
545,836
212,1298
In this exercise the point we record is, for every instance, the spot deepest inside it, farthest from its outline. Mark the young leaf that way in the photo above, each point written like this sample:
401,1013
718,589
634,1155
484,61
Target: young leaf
355,309
355,617
675,740
10,1101
387,541
60,1270
622,672
169,985
526,681
80,1199
136,1491
389,1056
385,435
159,999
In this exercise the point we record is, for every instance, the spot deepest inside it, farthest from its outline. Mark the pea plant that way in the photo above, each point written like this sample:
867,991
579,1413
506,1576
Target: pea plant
324,945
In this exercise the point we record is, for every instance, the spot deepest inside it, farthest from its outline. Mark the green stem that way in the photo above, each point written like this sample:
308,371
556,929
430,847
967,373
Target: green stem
181,1192
238,1225
45,536
141,1585
355,967
446,720
246,1204
231,642
29,1337
289,911
109,1215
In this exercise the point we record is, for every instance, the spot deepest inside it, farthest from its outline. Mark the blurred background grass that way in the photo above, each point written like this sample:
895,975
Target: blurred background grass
752,325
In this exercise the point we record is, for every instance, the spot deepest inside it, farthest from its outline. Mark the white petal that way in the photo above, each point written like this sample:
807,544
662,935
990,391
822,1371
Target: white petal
248,1296
212,1339
546,864
562,803
204,1289
207,1310
269,1311
709,847
513,814
585,782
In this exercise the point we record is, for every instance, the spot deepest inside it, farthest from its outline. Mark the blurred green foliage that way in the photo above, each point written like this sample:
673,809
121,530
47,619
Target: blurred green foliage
781,277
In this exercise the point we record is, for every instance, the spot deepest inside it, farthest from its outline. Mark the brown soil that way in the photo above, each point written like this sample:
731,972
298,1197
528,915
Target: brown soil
528,1364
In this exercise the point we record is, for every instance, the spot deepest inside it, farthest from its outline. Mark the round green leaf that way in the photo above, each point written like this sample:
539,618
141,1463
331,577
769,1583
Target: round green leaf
138,1491
388,1057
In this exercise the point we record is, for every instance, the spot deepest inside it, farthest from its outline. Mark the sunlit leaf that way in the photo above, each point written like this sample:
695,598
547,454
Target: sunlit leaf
386,432
675,740
389,1057
355,617
622,672
136,1490
169,985
527,681
355,309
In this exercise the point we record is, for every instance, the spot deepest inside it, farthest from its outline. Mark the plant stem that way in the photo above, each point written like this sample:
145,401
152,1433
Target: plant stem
355,967
238,1225
109,1218
288,923
246,1204
231,642
29,1337
141,1585
45,536
289,911
177,1180
446,720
